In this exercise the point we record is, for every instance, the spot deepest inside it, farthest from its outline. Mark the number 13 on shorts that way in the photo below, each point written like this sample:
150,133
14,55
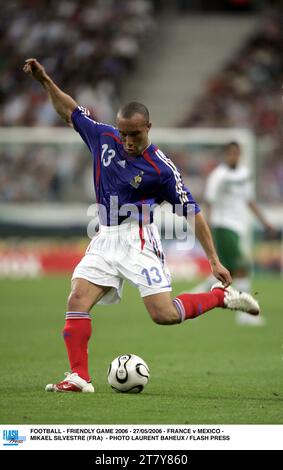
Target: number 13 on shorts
152,275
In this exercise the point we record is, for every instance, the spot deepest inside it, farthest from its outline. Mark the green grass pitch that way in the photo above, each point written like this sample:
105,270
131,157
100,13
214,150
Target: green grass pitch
204,371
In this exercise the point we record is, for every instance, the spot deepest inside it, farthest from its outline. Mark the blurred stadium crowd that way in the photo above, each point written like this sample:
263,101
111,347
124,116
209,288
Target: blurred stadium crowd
246,94
45,173
88,48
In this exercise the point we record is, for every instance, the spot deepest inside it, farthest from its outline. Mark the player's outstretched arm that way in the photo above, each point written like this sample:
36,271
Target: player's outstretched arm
260,216
63,103
204,236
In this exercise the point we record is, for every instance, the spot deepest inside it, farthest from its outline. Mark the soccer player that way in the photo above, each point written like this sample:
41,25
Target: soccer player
130,170
229,194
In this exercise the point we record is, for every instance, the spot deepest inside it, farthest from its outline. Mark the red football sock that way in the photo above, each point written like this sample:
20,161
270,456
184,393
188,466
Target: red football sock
77,332
193,305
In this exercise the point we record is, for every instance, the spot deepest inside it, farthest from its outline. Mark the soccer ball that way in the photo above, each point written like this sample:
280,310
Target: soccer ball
128,373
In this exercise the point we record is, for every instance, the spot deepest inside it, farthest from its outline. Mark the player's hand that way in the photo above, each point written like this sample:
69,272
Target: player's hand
221,273
35,69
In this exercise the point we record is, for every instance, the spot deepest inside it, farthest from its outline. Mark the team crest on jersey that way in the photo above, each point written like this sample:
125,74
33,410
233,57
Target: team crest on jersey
136,181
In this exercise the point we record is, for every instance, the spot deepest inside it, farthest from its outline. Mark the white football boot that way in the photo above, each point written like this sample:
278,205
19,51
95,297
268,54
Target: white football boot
72,383
236,300
243,319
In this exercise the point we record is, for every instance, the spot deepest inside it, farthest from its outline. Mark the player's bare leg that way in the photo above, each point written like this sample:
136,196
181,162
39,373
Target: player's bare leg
167,311
84,295
161,308
77,332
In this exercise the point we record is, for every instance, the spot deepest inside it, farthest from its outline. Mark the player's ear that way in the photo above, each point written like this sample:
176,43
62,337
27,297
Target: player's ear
149,125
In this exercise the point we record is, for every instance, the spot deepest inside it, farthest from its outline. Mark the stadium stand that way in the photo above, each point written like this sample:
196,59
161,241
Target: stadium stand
247,93
90,58
88,47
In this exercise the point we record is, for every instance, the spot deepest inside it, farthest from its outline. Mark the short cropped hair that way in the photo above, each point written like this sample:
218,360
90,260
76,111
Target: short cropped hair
132,108
232,143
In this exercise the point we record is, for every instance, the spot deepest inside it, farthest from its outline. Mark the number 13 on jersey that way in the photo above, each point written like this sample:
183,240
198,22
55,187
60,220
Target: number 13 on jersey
107,155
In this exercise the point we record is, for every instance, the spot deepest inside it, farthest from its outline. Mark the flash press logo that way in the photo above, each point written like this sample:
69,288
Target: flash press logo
11,437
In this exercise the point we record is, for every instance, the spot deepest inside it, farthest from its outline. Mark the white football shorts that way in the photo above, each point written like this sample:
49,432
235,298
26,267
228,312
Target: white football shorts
125,252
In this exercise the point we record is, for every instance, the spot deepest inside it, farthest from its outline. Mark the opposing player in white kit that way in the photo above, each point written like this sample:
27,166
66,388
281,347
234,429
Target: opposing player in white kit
129,170
229,195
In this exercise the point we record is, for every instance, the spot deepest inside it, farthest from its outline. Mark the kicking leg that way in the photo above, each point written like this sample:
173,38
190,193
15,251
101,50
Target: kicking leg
165,311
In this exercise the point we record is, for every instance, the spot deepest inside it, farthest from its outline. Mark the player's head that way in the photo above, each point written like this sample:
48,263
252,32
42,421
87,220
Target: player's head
133,123
232,154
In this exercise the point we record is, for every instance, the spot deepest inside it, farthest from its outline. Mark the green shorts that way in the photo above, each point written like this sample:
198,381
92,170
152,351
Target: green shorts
228,247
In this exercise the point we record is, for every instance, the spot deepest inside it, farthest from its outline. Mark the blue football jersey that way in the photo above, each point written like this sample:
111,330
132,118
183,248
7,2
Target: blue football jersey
124,181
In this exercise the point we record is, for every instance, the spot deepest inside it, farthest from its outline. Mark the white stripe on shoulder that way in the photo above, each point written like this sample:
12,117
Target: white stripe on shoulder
86,114
84,111
179,183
